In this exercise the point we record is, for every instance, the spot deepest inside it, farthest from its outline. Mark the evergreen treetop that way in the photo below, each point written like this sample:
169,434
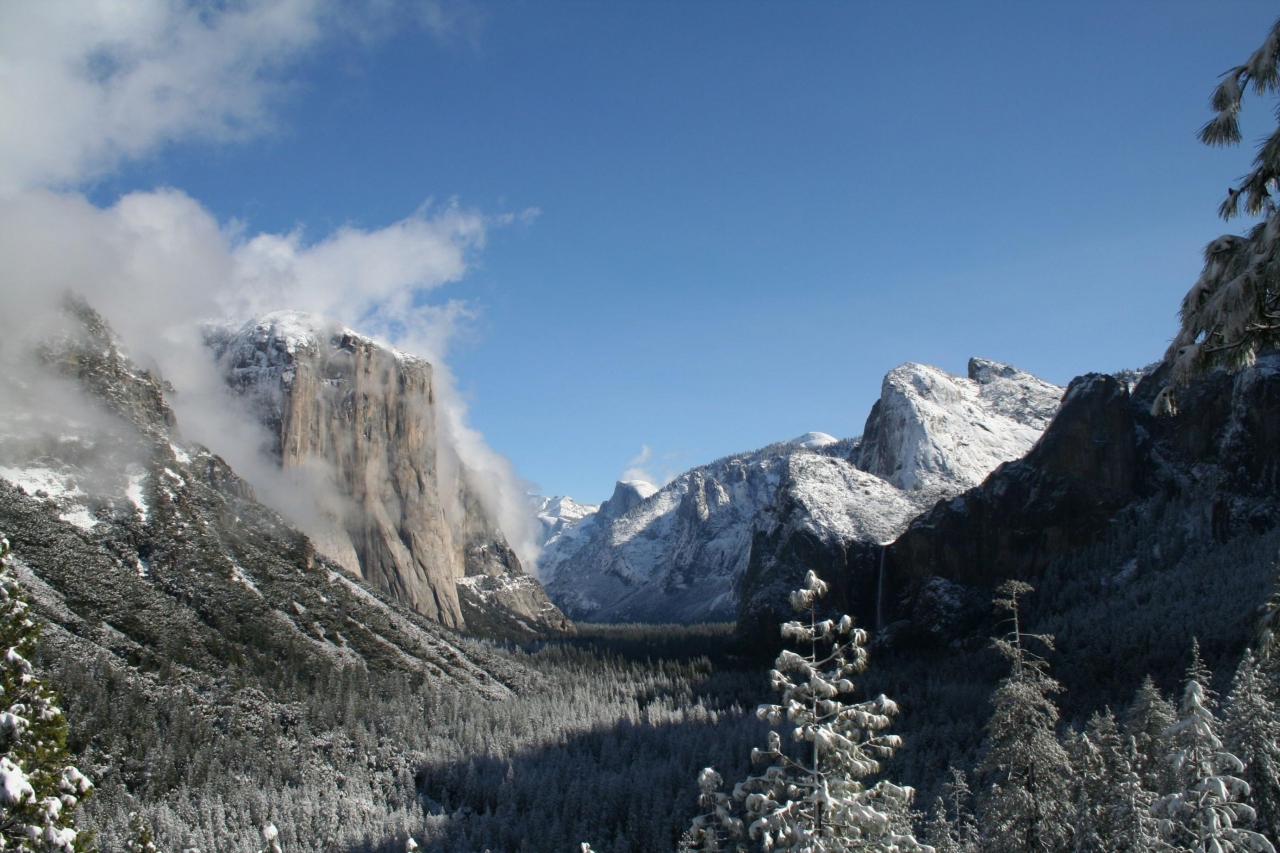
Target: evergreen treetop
39,787
1232,312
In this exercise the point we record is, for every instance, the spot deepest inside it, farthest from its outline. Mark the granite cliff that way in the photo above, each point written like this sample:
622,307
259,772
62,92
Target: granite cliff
397,507
1104,460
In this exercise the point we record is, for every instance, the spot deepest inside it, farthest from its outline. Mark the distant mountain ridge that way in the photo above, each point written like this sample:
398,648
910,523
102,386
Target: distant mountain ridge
712,545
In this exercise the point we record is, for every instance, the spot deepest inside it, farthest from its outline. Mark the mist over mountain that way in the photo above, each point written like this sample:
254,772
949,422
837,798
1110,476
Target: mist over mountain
395,504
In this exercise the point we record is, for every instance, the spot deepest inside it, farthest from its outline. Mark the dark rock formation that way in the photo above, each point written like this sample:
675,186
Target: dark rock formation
1102,455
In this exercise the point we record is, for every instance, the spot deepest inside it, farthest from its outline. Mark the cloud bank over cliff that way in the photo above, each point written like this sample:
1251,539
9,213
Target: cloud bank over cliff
90,86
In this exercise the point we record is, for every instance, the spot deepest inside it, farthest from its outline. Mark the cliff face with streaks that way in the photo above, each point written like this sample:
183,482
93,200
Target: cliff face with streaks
394,504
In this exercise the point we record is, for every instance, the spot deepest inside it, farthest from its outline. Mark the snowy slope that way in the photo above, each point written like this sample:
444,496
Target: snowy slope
557,515
674,556
933,431
680,554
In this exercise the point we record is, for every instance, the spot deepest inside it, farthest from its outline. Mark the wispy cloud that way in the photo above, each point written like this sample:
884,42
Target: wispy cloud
636,467
86,86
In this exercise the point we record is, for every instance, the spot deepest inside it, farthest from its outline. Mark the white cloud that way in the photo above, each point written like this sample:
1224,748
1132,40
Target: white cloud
372,280
86,86
636,469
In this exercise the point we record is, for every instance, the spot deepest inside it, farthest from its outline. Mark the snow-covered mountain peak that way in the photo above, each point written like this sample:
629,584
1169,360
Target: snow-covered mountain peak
279,331
1014,393
558,516
274,340
933,430
683,552
814,440
641,488
627,494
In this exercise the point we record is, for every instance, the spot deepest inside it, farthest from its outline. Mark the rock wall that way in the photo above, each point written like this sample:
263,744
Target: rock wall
1102,455
360,419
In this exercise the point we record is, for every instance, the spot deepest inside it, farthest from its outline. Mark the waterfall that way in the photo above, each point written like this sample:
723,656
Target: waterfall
880,592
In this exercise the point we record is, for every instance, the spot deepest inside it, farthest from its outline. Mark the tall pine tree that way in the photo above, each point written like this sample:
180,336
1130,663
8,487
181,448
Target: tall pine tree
1254,738
1025,806
813,797
1146,721
1112,807
1207,812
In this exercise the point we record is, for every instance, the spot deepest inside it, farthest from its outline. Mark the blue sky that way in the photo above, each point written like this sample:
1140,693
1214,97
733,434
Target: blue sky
747,212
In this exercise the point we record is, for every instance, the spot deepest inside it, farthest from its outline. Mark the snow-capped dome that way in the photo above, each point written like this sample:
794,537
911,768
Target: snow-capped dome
814,440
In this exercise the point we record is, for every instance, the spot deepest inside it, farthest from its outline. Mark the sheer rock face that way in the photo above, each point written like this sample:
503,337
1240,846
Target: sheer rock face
1102,456
931,429
359,419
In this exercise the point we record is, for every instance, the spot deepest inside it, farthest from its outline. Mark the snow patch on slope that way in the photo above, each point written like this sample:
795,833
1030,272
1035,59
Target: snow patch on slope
58,487
842,503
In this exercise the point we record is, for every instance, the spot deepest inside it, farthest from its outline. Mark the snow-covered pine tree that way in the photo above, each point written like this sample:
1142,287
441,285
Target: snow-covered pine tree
39,787
1025,806
952,827
1111,805
1207,813
1233,310
718,827
1254,738
1200,673
1148,717
814,799
141,838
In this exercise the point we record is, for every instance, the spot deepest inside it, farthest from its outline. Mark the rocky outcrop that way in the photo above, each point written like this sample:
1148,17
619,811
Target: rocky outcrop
627,495
827,515
932,430
395,504
1032,511
1102,455
930,436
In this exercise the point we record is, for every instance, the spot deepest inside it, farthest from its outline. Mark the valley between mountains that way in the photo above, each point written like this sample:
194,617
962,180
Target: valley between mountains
296,293
354,653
